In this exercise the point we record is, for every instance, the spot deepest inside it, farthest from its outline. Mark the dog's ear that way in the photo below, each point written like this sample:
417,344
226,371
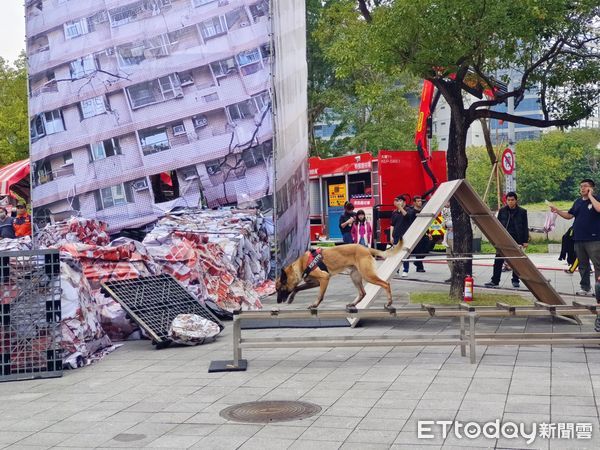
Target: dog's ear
283,277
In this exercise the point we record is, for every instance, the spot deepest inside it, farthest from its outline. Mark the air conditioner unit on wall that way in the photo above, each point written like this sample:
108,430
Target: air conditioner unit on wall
140,185
200,121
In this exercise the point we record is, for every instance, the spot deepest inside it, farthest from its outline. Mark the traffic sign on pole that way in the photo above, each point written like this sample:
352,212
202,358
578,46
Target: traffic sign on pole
508,161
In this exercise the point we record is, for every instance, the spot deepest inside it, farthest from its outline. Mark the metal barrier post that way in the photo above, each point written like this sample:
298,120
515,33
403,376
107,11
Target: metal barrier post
472,337
237,337
463,345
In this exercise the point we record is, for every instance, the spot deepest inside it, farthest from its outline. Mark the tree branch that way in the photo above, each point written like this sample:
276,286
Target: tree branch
496,101
489,114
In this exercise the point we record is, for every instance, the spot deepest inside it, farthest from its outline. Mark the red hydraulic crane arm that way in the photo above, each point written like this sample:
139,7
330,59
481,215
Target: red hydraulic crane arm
429,99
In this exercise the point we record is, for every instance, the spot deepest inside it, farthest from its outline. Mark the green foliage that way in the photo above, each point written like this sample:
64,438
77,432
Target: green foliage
14,131
549,168
368,106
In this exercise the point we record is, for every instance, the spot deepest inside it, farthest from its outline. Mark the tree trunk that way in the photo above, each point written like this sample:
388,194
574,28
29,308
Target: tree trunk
456,158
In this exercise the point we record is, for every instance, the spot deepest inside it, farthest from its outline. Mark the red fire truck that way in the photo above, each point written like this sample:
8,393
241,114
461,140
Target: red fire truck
370,183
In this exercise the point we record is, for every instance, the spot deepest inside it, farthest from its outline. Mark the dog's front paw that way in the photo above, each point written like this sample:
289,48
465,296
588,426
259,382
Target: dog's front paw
291,299
313,307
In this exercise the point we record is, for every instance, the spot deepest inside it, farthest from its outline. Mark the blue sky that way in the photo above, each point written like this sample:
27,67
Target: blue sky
12,24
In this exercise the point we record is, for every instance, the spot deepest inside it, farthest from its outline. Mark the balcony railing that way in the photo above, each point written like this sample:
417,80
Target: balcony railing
156,147
62,172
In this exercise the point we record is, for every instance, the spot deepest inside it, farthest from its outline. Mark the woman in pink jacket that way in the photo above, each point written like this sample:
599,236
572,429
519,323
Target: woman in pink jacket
362,233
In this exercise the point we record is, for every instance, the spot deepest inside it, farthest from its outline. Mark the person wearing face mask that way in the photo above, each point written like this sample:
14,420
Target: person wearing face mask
22,223
6,225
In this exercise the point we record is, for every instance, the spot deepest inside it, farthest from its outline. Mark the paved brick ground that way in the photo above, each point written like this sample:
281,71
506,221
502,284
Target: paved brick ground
371,398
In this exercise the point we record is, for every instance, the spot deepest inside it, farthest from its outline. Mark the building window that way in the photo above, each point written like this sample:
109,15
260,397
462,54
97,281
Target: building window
76,28
83,66
213,27
189,173
262,100
131,54
47,123
154,91
248,57
242,110
113,196
125,14
154,141
93,107
223,68
253,156
260,9
105,149
170,86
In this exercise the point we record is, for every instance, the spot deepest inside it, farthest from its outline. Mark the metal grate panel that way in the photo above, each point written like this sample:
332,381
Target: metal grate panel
30,314
153,303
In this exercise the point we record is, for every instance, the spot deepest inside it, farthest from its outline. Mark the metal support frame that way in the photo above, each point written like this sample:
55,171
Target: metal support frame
462,311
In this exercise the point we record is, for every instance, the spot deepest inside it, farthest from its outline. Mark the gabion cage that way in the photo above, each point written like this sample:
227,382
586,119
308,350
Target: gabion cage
30,315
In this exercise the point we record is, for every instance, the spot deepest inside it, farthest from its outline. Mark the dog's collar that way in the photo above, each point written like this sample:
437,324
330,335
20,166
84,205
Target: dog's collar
314,260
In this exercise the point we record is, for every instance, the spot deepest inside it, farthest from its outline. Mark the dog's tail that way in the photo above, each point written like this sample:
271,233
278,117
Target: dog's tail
389,252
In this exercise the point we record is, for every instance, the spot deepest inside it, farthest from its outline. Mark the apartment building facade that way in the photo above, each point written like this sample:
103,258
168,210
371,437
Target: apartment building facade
137,106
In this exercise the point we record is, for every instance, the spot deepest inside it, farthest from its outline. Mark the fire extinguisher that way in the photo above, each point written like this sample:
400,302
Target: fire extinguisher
468,297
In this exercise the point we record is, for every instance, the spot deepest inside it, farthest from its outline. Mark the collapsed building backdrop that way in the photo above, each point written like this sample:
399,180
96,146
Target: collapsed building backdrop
137,107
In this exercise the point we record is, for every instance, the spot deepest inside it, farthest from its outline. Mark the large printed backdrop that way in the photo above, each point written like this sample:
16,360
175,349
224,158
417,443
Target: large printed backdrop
137,107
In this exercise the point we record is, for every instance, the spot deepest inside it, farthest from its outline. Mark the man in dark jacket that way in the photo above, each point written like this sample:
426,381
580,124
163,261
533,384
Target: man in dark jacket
514,219
6,224
586,231
346,221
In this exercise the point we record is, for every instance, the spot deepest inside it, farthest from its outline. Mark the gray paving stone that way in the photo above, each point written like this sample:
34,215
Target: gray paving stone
373,436
174,441
44,439
220,442
326,434
307,444
327,421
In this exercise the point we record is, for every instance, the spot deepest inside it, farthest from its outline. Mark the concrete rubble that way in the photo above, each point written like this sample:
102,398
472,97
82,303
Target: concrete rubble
222,256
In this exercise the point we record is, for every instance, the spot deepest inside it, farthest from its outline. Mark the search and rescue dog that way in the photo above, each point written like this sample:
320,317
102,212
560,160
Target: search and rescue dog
316,267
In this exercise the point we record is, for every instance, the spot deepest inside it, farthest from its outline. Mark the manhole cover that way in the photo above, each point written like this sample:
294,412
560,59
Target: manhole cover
270,411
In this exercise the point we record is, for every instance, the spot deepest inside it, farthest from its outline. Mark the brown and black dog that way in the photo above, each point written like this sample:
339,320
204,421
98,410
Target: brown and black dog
356,257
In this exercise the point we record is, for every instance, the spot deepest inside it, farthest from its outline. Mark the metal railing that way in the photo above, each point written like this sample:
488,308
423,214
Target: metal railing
466,337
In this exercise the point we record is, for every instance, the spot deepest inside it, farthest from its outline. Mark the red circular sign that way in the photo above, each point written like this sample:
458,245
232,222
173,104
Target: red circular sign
508,161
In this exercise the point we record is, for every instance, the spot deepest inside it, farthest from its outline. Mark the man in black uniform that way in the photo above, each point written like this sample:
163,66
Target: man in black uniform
514,219
402,218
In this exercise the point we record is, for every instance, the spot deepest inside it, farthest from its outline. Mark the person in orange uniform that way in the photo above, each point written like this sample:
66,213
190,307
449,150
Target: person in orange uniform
22,223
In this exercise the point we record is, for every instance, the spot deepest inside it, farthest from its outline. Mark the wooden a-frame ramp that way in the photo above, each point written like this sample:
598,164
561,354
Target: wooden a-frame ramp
489,225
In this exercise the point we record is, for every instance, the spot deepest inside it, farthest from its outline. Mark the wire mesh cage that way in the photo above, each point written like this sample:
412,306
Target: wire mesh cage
154,302
30,314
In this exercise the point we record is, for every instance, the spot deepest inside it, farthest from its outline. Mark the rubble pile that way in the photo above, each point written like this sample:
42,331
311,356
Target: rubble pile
81,329
242,234
73,230
219,256
15,245
202,267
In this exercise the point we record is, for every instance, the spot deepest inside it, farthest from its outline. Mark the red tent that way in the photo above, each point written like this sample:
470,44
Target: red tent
15,178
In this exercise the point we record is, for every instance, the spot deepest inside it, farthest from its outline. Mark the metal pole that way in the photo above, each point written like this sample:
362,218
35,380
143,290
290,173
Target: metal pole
511,180
237,336
463,345
472,337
